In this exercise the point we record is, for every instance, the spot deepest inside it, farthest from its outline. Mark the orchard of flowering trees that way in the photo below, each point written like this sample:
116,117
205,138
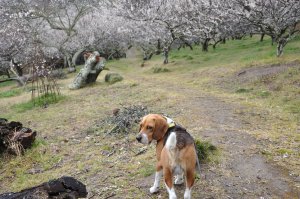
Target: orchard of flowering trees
59,28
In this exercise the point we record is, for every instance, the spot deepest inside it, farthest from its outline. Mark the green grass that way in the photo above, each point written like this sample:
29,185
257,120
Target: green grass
147,170
293,106
284,151
280,90
206,151
10,93
41,101
9,83
36,157
243,90
245,52
263,94
160,70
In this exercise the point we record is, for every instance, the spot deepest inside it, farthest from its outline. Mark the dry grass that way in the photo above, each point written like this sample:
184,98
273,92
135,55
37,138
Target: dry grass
71,149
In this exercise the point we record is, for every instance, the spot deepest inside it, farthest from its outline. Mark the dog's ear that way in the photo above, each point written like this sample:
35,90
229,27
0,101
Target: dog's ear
141,123
160,129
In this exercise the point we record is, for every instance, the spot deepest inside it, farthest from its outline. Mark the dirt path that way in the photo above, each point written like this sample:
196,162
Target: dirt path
243,172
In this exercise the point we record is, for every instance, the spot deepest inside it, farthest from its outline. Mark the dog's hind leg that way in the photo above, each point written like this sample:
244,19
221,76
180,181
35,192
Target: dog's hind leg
190,178
169,183
190,164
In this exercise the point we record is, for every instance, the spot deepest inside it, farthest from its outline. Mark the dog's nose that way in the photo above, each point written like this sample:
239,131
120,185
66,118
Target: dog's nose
139,138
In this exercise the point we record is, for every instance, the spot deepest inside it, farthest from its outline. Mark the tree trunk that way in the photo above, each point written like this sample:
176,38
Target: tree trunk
185,43
189,45
19,79
68,63
147,55
223,41
273,40
150,56
216,42
262,37
166,55
158,47
77,58
19,70
214,46
205,45
280,45
89,73
5,72
6,80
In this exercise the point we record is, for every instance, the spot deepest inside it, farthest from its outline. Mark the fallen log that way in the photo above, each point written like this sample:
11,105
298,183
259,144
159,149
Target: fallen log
14,138
63,188
94,64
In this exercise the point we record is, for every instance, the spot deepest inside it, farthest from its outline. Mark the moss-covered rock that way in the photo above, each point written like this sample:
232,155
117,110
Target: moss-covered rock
113,78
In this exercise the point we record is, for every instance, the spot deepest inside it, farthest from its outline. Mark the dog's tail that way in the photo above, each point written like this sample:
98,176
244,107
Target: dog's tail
171,142
197,159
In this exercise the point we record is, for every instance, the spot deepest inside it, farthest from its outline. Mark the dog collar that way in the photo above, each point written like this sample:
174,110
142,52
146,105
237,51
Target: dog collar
170,122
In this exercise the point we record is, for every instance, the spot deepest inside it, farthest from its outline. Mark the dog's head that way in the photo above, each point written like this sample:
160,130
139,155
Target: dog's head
152,127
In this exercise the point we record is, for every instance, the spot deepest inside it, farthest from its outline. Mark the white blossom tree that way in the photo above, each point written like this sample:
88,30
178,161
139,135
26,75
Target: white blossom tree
276,18
62,27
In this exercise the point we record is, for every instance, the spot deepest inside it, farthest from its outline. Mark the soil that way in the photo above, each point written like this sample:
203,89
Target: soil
243,172
255,73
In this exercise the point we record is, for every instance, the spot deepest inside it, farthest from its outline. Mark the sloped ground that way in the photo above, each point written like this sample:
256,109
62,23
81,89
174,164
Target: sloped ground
71,143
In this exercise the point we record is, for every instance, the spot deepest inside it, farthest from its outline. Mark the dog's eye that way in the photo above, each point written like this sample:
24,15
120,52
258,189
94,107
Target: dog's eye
149,128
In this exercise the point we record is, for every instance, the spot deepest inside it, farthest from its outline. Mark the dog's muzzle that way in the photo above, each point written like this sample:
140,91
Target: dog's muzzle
142,138
139,138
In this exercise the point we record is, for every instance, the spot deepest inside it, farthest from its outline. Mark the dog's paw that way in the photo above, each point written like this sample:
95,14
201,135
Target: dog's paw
187,194
178,180
172,196
154,189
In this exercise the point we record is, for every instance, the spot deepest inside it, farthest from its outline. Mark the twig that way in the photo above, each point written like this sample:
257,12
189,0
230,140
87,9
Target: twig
111,153
141,152
92,196
111,195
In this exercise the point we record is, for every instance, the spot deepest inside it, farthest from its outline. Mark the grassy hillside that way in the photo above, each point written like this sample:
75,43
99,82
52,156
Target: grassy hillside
245,74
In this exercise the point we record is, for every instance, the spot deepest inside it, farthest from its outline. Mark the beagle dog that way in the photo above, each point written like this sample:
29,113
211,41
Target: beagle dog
175,152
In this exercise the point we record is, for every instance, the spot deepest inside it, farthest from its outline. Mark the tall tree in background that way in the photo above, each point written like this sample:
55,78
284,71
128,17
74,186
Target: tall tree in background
276,18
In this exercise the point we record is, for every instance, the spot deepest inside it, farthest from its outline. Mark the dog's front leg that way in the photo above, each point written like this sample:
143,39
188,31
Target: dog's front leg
155,186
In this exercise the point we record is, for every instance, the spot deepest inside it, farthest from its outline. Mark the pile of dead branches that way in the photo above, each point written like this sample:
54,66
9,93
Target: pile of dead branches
124,119
14,138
